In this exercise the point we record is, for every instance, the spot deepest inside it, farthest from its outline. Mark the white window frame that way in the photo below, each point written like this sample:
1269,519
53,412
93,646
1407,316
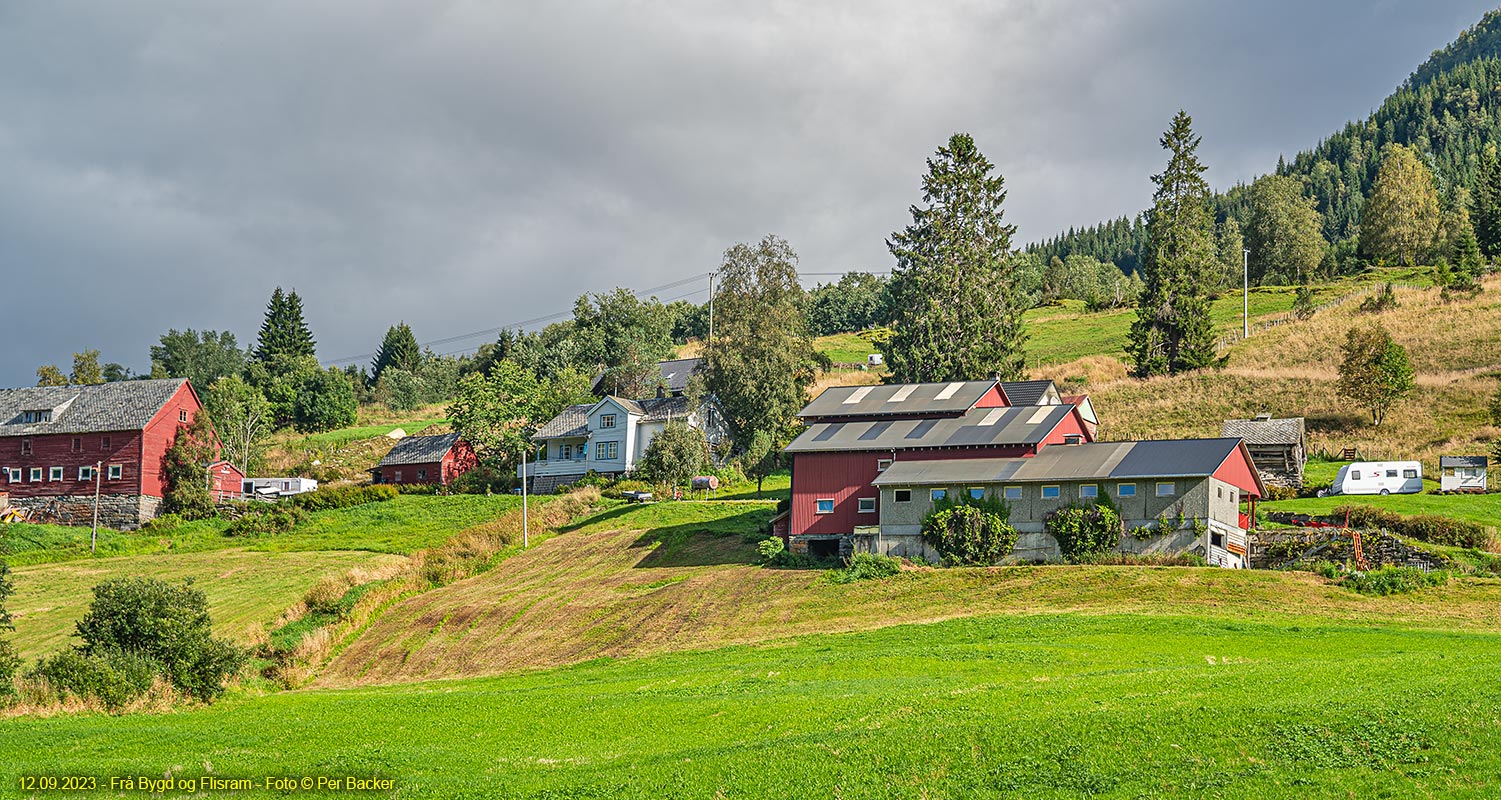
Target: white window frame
36,475
54,474
1120,490
606,420
938,494
819,503
614,451
896,495
117,471
883,464
14,474
1012,493
397,478
1089,490
565,451
85,473
864,509
1057,493
1172,489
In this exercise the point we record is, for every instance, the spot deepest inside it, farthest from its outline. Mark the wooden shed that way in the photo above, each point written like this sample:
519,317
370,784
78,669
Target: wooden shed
1279,447
1462,473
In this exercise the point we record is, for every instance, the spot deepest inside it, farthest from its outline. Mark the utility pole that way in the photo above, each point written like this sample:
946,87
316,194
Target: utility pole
1245,297
94,534
711,316
526,539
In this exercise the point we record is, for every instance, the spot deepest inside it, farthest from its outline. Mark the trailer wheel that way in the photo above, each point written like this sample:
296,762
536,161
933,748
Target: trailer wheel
1384,493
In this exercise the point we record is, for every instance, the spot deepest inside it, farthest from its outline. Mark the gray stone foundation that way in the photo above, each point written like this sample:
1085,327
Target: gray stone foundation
120,511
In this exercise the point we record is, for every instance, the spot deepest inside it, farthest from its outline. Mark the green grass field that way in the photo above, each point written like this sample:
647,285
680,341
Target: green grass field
1030,706
845,348
344,435
1481,509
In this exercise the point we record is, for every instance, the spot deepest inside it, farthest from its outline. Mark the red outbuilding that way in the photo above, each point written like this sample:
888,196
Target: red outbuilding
434,460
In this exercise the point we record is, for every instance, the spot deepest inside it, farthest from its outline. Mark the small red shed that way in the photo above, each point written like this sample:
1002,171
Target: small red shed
433,460
225,481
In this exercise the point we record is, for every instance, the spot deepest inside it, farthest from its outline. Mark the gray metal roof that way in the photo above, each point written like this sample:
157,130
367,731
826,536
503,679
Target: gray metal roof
896,399
976,427
1463,461
419,450
1027,393
572,421
1286,430
676,373
1170,458
118,406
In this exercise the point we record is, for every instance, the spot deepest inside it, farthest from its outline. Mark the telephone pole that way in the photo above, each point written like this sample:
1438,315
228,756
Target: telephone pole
1245,296
94,534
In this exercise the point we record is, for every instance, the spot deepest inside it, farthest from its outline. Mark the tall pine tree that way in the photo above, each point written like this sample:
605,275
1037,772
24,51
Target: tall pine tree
284,333
1172,332
1487,201
399,349
957,310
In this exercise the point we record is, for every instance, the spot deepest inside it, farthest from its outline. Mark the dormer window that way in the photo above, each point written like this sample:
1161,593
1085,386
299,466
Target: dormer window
607,421
38,416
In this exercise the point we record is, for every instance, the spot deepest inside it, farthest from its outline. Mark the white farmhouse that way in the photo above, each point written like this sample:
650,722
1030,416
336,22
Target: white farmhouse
609,437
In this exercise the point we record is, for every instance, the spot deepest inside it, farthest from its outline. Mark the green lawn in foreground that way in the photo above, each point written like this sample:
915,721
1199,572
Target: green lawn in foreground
1031,706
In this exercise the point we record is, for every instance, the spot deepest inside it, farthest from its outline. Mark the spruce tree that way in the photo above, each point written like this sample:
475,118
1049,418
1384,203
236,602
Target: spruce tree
399,349
1487,202
956,306
1172,332
284,333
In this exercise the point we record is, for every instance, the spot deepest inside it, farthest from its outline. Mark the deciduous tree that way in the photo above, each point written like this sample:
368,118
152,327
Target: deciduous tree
1401,219
1283,231
241,417
200,356
675,455
497,412
1375,372
86,369
50,375
624,337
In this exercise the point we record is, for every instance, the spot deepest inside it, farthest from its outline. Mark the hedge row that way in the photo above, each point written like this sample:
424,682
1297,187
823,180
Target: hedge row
1423,527
334,497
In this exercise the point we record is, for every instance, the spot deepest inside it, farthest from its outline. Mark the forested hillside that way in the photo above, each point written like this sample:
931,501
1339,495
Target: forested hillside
1448,110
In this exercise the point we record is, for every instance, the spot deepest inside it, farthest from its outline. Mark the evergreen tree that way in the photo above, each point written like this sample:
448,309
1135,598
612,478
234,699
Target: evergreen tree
1401,218
1487,202
1465,250
400,350
956,308
1172,331
284,332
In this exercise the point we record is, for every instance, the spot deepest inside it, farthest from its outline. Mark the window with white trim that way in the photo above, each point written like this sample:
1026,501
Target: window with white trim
882,464
1125,490
182,415
13,474
1166,488
1051,493
116,472
825,506
902,495
36,474
396,479
867,505
85,473
54,473
1012,493
1089,490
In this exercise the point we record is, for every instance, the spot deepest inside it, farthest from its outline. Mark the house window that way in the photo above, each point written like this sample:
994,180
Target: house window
78,444
565,451
13,474
824,507
182,415
867,505
1409,473
902,495
606,451
1012,493
882,464
1089,490
1166,489
1217,539
938,494
85,473
1050,493
607,421
397,479
36,474
421,474
33,417
55,474
976,492
25,447
103,442
116,472
1125,490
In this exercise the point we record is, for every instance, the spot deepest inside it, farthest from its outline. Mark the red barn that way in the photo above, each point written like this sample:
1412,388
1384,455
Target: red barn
225,481
435,460
53,437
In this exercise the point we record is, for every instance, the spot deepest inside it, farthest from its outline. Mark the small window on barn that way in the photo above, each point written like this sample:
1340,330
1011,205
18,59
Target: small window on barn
867,505
104,442
1166,489
25,447
1073,438
824,507
55,474
182,415
1217,539
976,492
421,474
78,444
1125,490
882,464
397,477
1012,493
36,474
902,495
1051,493
607,421
116,472
85,473
1089,490
13,474
938,494
1409,473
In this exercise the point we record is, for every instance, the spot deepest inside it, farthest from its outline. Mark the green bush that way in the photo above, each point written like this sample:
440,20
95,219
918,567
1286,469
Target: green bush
970,534
166,624
617,490
866,567
332,497
1359,516
163,522
8,659
1085,531
770,548
269,520
113,677
1393,580
1423,527
1113,559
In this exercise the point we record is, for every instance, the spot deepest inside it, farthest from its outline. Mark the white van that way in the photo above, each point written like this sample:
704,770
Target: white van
1378,477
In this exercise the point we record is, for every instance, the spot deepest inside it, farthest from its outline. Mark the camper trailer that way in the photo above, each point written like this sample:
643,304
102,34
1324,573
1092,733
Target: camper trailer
1378,477
272,488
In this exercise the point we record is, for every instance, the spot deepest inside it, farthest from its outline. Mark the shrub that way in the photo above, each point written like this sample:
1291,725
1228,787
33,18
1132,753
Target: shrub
617,490
8,659
163,522
787,559
970,535
327,595
1393,580
1113,559
865,567
113,677
1366,517
332,497
271,519
1384,300
163,623
770,548
1274,493
1084,531
1443,531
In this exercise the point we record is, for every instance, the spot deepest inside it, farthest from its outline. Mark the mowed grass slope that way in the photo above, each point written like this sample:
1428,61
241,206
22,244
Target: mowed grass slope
1011,706
245,590
637,580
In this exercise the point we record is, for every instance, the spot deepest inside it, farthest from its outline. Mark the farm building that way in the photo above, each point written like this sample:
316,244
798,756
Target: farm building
1462,473
609,437
855,433
272,488
1278,446
53,437
433,460
674,382
225,481
1197,483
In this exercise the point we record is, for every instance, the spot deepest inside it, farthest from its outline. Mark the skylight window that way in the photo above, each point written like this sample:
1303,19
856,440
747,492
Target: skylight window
857,395
1039,415
902,393
948,391
991,418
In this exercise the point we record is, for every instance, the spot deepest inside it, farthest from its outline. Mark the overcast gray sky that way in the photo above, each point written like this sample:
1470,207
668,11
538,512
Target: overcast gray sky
466,165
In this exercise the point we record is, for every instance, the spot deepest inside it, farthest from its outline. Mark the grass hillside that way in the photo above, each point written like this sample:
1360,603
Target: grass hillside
347,454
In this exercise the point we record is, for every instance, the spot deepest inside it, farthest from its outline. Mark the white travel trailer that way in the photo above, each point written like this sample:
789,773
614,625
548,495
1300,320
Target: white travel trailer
278,487
1378,477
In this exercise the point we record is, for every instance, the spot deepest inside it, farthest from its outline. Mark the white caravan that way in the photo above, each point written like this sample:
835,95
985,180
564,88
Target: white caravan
1378,477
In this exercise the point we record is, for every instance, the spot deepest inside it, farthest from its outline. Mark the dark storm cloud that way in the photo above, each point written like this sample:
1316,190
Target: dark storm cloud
465,165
